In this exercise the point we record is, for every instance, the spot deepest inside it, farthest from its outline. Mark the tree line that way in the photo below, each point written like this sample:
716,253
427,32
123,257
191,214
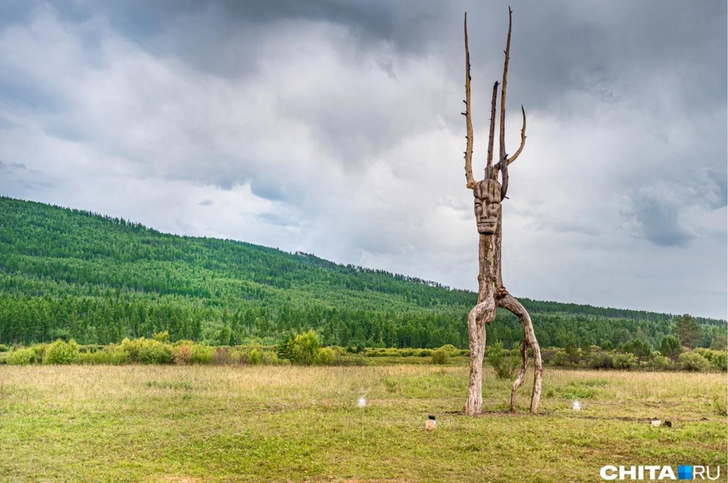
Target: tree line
72,274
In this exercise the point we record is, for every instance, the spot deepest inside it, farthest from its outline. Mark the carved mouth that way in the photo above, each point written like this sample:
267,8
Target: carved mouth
487,227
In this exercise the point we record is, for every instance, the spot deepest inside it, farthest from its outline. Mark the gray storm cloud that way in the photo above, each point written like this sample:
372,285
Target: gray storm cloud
333,127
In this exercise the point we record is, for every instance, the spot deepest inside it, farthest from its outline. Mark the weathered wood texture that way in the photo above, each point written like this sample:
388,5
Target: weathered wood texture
488,195
469,180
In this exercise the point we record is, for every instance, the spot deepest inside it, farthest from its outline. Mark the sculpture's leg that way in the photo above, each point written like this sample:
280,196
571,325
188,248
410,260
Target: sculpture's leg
476,332
511,304
521,373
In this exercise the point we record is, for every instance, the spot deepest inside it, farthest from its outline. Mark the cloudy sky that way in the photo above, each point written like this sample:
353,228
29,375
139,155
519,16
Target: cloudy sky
334,127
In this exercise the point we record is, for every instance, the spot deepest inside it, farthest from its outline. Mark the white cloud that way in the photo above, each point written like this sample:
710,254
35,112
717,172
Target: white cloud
323,143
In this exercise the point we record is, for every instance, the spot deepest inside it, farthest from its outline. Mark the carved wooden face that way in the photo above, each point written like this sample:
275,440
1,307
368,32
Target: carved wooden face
487,205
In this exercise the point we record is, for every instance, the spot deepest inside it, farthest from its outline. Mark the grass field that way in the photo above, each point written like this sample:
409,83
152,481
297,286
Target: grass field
253,423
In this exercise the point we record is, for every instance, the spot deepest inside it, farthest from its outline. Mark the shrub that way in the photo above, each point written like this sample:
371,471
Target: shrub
406,352
201,354
505,364
131,347
61,352
719,360
424,353
222,355
38,352
254,356
305,347
182,354
90,348
440,356
112,354
161,337
147,351
707,353
600,360
624,361
4,348
115,355
547,355
155,352
592,349
691,361
98,357
20,357
269,357
326,357
716,358
235,356
450,349
381,352
560,359
661,362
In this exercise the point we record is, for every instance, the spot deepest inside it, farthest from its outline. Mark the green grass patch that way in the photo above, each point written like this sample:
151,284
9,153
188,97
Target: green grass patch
170,385
292,423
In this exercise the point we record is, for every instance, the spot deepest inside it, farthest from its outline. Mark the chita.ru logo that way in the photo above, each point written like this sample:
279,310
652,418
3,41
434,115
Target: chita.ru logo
654,472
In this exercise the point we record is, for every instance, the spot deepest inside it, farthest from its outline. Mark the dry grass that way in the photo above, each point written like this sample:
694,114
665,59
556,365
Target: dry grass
197,423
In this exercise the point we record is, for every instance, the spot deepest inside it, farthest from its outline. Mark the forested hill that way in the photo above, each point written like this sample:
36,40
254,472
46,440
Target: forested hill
75,274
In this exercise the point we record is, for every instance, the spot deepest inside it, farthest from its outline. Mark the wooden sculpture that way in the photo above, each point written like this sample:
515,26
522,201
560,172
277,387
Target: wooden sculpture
489,194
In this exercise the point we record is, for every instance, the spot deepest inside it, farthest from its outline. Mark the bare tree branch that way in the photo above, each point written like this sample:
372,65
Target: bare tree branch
523,138
503,89
491,133
470,181
503,160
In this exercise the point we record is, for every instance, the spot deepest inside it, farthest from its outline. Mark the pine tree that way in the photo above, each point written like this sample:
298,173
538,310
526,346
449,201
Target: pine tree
688,331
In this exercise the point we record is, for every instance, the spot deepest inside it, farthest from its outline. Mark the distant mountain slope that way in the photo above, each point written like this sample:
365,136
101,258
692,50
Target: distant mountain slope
70,273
